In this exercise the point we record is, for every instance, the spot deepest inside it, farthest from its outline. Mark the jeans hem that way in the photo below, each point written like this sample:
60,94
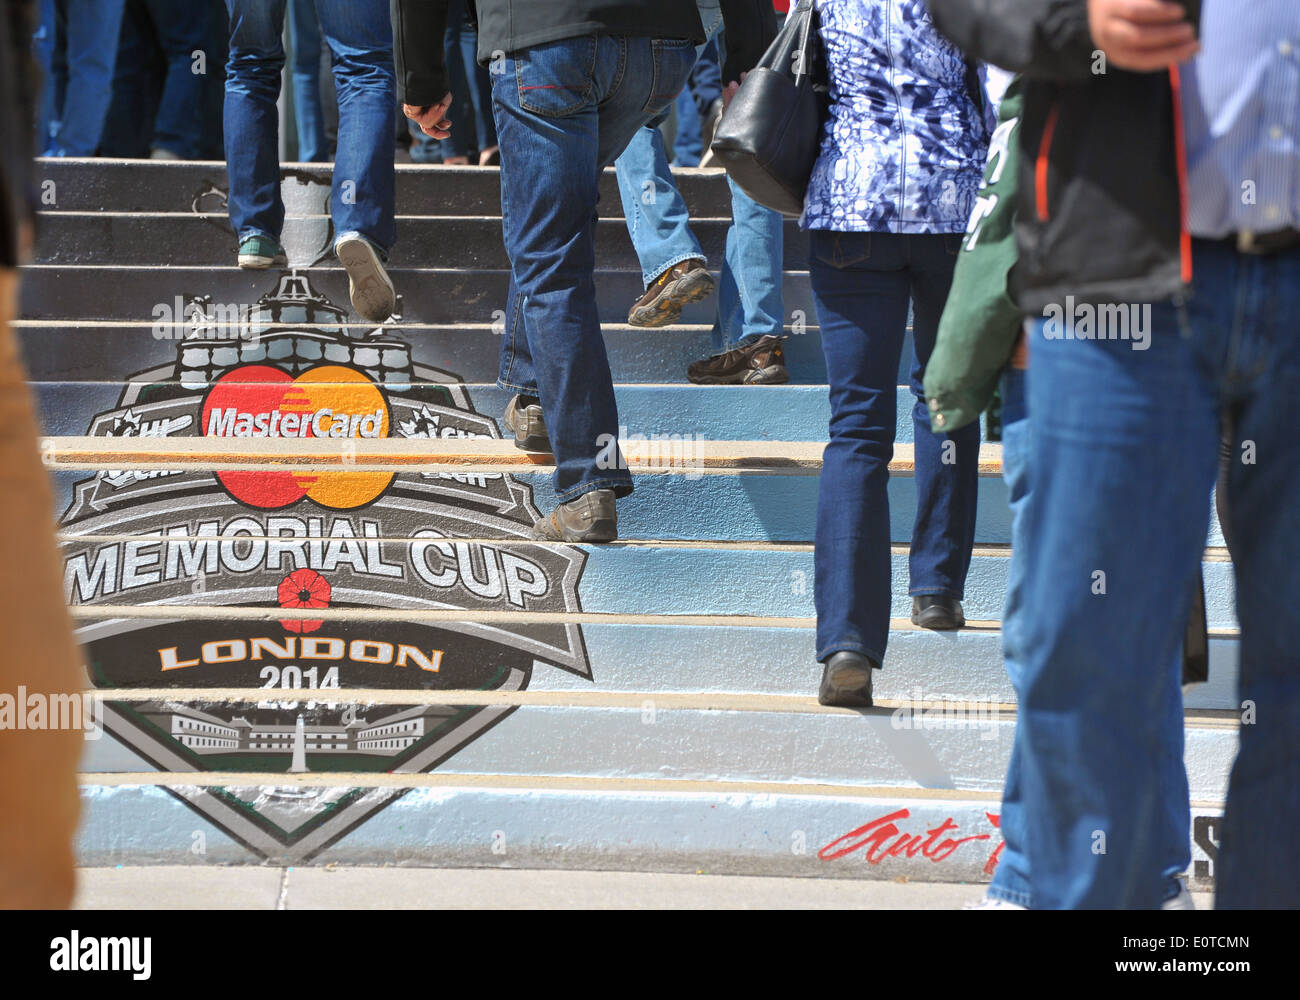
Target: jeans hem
1008,896
956,595
250,231
622,487
527,390
851,647
673,262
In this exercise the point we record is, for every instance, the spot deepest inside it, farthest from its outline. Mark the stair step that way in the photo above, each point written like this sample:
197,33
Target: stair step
97,185
426,295
509,821
137,239
85,350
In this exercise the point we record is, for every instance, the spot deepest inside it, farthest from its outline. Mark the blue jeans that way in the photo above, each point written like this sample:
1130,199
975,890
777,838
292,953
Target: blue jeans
750,302
360,37
1127,443
1011,879
861,284
564,110
304,33
77,47
471,111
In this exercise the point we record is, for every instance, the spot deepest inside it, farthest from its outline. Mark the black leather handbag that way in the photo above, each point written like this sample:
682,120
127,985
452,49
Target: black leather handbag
770,135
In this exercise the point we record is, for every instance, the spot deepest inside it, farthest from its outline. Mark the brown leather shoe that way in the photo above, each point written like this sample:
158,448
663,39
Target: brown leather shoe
759,363
592,517
661,305
524,418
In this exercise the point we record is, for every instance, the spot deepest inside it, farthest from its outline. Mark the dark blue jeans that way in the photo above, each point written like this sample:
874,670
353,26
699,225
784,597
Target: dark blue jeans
564,111
77,48
1125,450
862,283
360,37
304,33
1011,880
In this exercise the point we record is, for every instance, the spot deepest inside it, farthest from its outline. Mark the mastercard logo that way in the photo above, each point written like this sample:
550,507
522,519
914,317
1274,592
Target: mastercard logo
329,401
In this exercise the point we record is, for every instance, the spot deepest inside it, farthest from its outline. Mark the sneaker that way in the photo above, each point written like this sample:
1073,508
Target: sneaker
661,305
525,421
592,517
1183,901
938,612
257,253
846,681
760,362
373,295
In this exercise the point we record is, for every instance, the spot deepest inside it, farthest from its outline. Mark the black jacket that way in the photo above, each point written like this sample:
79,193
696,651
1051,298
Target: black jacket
509,26
17,91
1102,193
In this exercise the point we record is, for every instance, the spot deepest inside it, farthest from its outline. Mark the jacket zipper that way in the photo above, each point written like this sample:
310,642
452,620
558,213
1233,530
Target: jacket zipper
1180,154
1041,163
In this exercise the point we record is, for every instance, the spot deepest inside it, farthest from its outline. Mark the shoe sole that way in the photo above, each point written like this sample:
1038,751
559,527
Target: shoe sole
938,623
771,375
536,444
602,530
667,308
251,263
372,292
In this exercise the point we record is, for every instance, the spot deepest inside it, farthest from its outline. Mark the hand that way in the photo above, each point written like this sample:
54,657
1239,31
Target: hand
1142,35
729,91
433,120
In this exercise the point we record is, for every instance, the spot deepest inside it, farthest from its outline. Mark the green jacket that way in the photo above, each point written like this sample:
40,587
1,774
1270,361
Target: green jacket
980,323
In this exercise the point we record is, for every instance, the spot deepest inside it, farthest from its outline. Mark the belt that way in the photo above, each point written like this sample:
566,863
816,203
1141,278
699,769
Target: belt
1248,241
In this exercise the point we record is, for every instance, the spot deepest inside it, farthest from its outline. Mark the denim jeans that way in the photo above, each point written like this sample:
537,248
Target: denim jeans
304,35
1011,879
1125,449
564,111
862,283
76,45
360,37
471,87
750,302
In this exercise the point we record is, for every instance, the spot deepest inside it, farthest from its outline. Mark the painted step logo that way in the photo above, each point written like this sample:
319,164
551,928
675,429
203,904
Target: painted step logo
329,401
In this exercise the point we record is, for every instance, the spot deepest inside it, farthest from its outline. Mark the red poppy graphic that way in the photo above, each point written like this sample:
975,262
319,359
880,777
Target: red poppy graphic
303,588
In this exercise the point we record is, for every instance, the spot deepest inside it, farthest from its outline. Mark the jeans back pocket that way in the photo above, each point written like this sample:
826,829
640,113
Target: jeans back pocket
557,78
674,58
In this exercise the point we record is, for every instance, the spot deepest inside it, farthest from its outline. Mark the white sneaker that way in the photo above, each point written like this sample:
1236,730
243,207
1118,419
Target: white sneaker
992,903
373,295
1183,901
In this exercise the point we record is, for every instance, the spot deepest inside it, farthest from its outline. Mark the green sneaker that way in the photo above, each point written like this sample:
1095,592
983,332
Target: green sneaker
260,252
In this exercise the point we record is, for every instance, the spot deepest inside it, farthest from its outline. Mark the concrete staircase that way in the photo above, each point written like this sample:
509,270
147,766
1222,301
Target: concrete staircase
444,691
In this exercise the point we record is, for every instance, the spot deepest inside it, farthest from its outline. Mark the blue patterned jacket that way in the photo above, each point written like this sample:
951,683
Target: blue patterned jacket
904,148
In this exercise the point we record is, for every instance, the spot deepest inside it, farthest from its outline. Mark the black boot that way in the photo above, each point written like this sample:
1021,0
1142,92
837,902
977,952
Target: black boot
846,681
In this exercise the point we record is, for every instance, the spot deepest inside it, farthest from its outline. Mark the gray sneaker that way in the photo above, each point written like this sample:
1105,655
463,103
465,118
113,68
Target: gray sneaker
373,295
592,517
524,419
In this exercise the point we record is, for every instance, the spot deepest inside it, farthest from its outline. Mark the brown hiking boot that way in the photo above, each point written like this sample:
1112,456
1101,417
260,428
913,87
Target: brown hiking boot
661,305
524,418
592,517
759,363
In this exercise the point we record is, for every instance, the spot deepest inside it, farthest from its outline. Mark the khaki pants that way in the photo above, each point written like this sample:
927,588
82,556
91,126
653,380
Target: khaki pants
38,783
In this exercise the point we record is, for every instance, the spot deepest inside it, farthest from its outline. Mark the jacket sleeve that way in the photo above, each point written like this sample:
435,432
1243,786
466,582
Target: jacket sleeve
418,30
1048,39
750,27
